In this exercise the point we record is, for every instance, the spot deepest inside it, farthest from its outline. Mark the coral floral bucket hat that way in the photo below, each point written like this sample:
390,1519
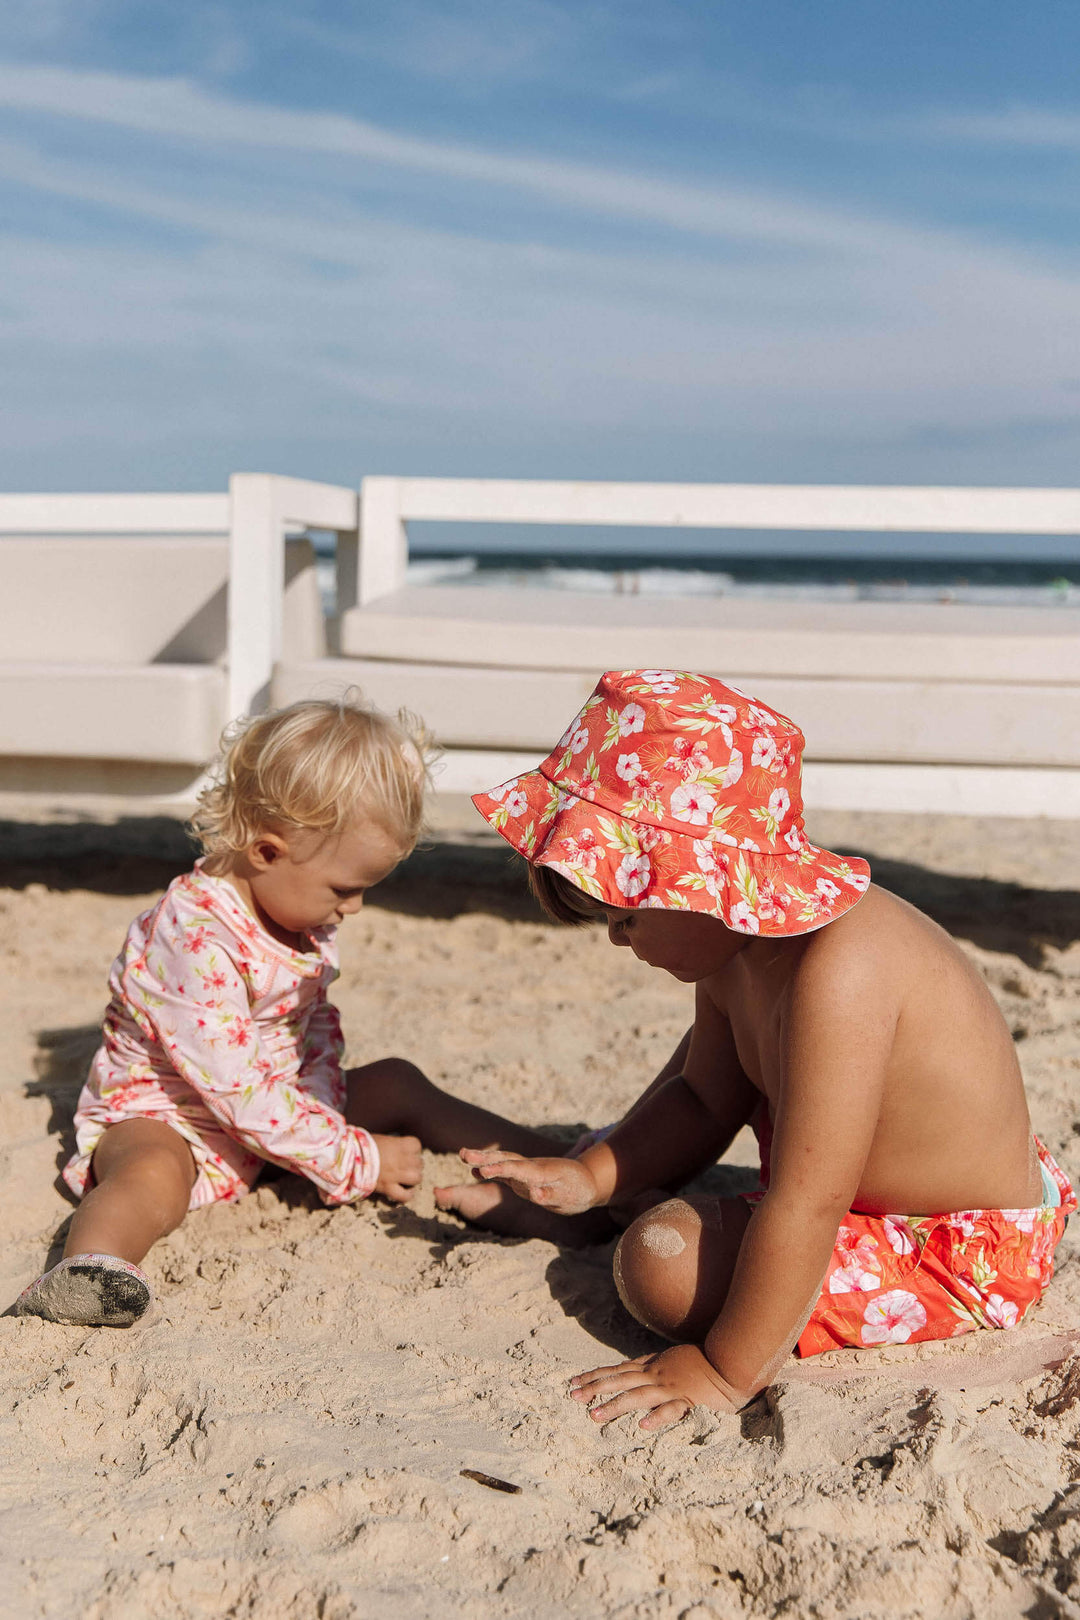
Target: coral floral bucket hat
676,791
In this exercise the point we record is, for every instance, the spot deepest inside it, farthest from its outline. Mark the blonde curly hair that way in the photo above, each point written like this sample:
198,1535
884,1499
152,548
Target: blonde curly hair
314,766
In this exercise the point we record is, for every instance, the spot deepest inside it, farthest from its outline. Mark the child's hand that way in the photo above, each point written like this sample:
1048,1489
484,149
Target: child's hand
401,1167
563,1186
665,1385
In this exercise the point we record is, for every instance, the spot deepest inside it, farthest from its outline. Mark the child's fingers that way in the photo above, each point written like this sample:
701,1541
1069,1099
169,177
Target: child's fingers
643,1396
400,1193
618,1380
586,1380
482,1156
660,1416
511,1170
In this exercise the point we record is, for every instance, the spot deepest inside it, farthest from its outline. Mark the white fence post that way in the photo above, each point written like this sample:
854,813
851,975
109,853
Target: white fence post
384,544
256,586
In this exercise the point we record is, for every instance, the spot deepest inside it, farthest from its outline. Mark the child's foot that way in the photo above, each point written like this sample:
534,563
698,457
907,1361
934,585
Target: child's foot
487,1204
89,1290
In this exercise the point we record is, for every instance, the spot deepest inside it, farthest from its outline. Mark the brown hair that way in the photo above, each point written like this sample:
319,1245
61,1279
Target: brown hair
313,766
562,900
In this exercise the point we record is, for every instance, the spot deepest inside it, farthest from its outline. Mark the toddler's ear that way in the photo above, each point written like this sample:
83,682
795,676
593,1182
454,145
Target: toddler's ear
264,850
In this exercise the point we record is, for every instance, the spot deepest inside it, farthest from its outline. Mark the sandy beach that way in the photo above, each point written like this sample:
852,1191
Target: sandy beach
286,1438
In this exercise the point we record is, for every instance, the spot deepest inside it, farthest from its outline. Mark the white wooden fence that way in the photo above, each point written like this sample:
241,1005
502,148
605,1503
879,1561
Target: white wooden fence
371,525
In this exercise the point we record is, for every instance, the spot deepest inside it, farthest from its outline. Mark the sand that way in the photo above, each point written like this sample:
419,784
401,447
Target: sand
287,1437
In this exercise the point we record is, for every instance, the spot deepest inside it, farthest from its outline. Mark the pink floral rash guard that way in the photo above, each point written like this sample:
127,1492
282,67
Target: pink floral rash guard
226,1035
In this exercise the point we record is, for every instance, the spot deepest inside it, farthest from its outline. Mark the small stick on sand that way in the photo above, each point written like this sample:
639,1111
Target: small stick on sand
491,1482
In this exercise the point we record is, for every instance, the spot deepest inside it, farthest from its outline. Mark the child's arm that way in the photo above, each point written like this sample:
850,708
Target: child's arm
324,1045
683,1121
835,1049
196,1004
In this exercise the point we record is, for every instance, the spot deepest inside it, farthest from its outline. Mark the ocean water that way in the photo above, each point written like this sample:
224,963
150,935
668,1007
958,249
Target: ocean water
805,578
847,575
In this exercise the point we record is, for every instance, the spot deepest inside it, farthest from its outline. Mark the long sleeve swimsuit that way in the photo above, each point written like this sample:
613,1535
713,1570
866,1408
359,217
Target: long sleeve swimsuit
225,1034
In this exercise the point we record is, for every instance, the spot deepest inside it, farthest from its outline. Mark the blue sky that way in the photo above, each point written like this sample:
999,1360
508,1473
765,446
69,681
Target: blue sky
549,238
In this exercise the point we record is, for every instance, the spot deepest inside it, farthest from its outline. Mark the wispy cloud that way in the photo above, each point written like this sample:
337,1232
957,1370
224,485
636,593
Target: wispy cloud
1031,128
178,110
474,44
301,299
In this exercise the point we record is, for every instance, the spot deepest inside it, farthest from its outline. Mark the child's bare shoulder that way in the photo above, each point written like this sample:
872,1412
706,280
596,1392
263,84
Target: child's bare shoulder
881,941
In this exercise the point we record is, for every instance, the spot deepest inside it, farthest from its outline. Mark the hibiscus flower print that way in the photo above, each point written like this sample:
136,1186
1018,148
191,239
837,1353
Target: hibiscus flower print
499,793
631,719
899,1235
892,1317
582,853
771,902
692,803
633,875
660,680
1001,1312
854,880
772,814
713,865
590,778
628,767
859,1270
763,754
515,804
742,919
691,758
758,716
734,769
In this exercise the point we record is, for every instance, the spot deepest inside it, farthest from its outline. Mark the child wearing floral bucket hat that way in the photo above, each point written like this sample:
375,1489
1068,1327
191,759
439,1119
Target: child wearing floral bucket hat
846,1027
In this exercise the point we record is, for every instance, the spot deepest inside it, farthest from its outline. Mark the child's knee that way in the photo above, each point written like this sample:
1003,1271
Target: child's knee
390,1094
656,1265
391,1075
154,1170
673,1266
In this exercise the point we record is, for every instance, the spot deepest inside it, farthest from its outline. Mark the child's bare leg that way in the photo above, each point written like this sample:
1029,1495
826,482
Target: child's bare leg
143,1173
674,1265
143,1176
393,1097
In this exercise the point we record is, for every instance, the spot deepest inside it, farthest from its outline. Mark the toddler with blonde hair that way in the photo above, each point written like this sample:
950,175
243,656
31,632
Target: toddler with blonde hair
220,1048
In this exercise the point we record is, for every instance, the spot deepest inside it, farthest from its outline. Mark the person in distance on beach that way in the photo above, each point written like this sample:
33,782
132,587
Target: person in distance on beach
902,1197
220,1050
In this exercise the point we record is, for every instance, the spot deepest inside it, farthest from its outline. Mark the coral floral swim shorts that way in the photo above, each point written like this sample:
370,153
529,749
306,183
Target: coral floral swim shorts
900,1279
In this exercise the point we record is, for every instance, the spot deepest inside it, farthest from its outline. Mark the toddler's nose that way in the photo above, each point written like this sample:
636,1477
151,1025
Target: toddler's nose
350,905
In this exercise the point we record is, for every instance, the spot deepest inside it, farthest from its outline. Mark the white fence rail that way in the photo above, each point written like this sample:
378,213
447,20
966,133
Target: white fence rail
387,505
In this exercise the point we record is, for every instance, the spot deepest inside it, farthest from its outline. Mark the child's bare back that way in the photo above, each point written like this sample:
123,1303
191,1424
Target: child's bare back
909,1053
